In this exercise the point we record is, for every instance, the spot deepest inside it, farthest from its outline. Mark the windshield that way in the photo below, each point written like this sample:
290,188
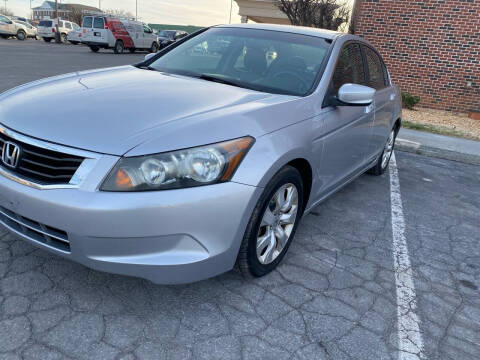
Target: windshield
268,61
167,34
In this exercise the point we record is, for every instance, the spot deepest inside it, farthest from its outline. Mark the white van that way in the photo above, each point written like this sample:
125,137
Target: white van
109,32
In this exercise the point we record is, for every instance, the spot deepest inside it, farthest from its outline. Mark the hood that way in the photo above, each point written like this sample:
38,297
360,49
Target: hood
112,111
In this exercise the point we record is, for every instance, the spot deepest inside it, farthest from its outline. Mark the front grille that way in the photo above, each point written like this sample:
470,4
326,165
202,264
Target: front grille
42,166
34,230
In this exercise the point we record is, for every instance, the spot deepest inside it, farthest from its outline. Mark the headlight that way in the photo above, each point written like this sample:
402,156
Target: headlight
197,166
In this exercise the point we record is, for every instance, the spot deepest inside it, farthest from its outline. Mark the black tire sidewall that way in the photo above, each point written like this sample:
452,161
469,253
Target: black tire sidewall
23,35
118,47
287,175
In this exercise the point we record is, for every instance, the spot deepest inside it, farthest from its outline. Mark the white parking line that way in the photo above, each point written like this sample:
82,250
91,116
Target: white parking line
410,342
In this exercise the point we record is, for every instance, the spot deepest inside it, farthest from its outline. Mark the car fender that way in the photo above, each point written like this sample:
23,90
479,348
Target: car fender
273,151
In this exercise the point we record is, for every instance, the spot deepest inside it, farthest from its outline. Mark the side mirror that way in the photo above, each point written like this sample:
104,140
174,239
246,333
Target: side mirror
149,56
355,95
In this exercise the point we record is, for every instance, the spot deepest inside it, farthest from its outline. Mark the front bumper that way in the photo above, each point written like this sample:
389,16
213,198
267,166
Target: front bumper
168,237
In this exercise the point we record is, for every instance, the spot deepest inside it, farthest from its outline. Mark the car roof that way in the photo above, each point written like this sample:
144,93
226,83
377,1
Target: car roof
322,33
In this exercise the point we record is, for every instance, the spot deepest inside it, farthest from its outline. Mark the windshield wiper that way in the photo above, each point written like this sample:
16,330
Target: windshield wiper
221,80
146,67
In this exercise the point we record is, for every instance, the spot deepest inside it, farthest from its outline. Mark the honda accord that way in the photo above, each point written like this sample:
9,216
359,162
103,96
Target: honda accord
191,162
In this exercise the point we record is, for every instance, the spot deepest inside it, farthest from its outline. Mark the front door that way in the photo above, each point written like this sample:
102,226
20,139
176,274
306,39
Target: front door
347,128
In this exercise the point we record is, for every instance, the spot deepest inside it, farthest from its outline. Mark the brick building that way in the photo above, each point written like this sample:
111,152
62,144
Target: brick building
72,12
432,47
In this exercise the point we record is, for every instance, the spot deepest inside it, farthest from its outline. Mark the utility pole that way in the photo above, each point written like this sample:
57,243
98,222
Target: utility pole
231,8
57,34
136,10
5,7
100,4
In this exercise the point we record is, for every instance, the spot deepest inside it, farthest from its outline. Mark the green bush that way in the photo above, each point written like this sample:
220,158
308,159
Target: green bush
409,101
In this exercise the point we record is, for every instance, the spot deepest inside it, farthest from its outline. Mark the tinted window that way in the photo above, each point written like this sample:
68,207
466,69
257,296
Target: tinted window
60,24
98,23
146,29
3,19
375,77
68,25
45,23
349,68
87,22
244,57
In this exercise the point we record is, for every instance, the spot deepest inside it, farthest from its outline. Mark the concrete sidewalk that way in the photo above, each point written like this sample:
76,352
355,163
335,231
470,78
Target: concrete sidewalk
440,146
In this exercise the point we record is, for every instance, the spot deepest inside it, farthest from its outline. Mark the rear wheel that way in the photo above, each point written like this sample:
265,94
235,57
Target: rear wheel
94,48
47,39
21,35
154,47
384,159
118,49
273,224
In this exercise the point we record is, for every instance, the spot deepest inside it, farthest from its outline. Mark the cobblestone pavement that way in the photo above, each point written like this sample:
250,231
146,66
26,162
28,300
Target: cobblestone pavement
332,298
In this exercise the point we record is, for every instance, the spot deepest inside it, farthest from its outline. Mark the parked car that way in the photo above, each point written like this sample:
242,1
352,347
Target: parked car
27,30
10,27
108,32
48,28
206,161
75,36
168,37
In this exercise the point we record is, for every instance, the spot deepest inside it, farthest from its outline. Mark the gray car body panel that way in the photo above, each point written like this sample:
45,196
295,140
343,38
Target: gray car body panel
178,236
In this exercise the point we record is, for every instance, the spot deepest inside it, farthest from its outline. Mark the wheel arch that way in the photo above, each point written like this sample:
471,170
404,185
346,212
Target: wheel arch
305,169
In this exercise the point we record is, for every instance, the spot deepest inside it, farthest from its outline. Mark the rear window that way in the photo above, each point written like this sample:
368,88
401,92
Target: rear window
98,23
87,22
68,25
45,23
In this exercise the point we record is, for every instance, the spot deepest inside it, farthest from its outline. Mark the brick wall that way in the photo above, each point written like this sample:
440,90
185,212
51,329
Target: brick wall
431,47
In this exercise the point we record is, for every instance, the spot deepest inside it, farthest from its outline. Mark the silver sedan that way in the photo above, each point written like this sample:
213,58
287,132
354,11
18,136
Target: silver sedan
189,163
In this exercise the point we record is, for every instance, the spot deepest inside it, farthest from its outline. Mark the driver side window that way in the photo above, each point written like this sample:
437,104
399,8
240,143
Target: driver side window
349,67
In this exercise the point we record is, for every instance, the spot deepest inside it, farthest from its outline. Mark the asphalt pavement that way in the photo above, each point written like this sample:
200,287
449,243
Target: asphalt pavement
389,265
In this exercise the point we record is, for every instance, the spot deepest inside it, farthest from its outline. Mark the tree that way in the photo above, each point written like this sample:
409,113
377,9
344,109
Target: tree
6,12
325,14
119,13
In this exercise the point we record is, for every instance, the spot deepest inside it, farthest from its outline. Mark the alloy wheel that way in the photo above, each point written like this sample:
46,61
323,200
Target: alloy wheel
387,151
277,223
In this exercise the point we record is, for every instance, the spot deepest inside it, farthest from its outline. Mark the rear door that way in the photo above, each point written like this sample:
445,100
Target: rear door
87,29
99,31
45,28
377,78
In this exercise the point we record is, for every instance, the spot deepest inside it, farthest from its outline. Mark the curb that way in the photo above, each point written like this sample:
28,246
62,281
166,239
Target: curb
432,151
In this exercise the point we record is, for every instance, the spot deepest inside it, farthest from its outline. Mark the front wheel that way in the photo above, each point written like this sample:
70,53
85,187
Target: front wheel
47,40
154,47
273,224
94,48
384,159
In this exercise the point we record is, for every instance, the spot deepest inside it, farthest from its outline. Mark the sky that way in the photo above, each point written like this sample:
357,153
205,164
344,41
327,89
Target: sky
178,12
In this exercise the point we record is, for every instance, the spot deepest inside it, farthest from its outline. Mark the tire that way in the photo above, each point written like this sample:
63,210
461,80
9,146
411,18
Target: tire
384,159
63,38
118,49
74,42
47,40
132,50
21,35
154,47
94,48
256,263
